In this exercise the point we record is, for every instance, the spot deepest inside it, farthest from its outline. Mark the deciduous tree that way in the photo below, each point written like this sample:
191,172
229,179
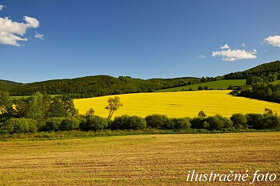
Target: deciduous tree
113,105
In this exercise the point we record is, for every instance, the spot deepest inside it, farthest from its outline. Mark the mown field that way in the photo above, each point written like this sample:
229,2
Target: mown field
222,84
178,104
136,160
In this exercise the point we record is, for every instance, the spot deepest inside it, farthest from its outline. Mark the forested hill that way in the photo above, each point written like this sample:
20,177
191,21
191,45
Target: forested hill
106,85
98,86
8,85
265,69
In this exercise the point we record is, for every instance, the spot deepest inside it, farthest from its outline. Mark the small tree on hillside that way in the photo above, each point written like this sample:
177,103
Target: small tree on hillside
202,114
90,112
113,105
268,111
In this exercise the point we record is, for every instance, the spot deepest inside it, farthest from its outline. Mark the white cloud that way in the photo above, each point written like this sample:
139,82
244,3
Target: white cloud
11,32
225,46
39,36
273,40
31,22
233,55
201,57
243,44
1,7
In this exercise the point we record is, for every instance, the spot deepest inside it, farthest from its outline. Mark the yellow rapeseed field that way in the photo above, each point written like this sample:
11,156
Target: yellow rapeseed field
178,104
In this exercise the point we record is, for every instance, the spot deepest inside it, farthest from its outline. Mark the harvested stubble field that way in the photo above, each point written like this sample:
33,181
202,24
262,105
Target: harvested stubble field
136,160
178,104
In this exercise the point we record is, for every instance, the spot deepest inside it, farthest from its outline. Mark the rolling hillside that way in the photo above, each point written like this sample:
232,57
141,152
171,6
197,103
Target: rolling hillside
107,85
98,86
222,84
8,85
260,70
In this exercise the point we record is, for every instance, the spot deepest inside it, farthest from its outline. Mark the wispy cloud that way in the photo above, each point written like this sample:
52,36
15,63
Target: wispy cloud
225,46
39,36
243,44
1,7
273,40
228,54
201,57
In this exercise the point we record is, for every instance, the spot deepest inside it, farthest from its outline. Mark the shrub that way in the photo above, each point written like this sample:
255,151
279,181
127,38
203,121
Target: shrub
200,88
206,125
156,121
82,120
218,122
239,121
214,123
271,121
69,123
19,125
41,125
94,123
198,123
255,121
178,123
129,122
53,124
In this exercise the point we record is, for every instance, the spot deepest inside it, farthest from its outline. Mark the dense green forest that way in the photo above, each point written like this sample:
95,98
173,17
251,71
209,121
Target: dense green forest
265,71
262,91
98,86
8,85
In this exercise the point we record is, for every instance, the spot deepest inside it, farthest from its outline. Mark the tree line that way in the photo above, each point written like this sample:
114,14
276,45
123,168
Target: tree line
161,122
262,91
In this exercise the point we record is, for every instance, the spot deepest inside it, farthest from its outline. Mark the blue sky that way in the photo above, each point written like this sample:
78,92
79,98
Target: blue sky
144,38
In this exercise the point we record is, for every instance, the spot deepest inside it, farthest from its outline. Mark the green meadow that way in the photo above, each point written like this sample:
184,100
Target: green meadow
221,84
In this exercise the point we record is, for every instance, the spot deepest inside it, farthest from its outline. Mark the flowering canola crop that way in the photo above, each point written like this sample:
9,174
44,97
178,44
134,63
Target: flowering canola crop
178,104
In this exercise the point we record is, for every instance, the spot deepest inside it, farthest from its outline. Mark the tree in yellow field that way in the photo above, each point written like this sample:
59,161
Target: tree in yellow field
113,105
90,112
